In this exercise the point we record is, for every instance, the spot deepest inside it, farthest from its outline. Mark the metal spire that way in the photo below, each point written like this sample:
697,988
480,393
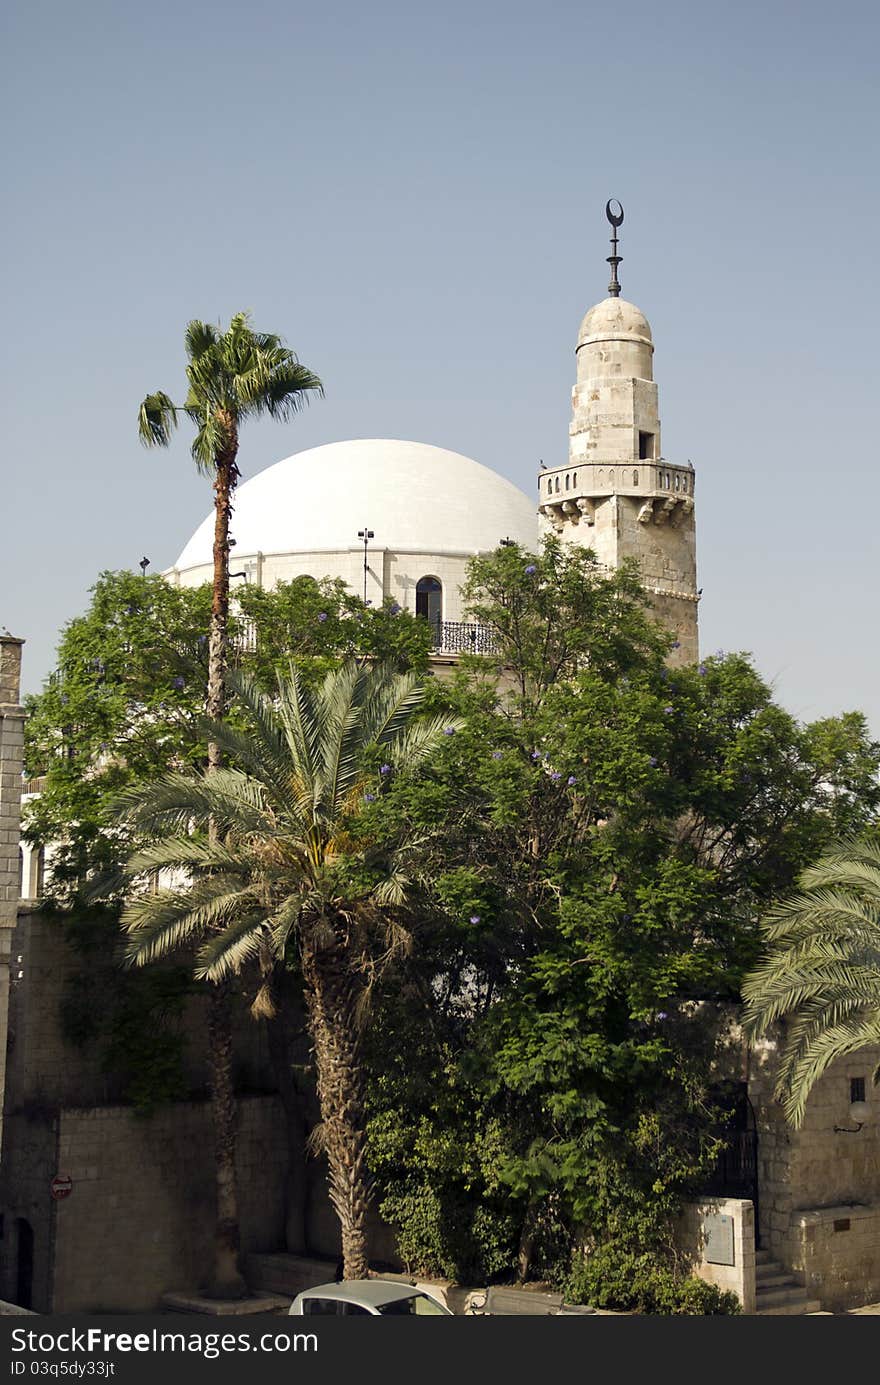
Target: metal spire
616,219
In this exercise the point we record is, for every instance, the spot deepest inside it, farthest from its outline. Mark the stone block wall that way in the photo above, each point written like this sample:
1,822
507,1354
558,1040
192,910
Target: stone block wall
739,1278
139,1220
30,1162
45,1068
836,1252
823,1173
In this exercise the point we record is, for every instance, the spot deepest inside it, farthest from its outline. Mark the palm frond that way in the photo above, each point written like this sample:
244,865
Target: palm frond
157,419
822,971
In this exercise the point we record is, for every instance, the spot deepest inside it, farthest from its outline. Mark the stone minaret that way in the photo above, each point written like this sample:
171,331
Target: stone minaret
617,495
11,757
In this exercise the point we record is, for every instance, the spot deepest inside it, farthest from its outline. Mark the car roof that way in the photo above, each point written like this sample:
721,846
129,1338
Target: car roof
372,1293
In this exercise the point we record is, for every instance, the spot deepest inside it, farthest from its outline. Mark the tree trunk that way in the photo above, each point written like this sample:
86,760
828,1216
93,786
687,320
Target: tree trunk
281,1054
331,1000
218,642
227,1279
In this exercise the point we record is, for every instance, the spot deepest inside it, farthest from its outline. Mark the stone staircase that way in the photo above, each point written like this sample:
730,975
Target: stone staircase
777,1291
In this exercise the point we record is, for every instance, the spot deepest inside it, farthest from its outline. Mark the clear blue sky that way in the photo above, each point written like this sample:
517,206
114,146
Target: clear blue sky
413,196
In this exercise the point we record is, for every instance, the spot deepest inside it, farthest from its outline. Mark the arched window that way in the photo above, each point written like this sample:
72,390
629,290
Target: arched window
635,478
567,481
429,599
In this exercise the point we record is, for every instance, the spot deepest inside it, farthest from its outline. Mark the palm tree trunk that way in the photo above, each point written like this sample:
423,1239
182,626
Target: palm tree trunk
331,1000
227,1279
224,485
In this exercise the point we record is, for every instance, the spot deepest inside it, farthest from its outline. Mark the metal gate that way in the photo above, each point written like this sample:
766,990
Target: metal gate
736,1170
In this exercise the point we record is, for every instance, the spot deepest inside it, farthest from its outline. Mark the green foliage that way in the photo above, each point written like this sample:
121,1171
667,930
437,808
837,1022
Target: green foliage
124,706
127,702
600,839
232,376
323,623
618,1277
821,975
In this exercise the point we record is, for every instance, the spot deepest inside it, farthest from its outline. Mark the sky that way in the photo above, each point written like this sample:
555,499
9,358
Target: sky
413,196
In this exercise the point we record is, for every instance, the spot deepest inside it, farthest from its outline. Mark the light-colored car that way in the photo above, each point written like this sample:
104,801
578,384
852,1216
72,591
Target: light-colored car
354,1297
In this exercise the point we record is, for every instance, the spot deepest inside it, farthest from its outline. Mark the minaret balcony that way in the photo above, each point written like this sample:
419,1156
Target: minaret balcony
570,494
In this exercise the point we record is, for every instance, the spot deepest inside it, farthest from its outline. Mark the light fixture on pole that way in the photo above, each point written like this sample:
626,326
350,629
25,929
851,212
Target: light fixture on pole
143,565
366,535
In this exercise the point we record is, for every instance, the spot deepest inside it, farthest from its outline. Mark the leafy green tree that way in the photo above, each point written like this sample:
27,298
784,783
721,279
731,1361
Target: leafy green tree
821,974
123,707
608,831
282,859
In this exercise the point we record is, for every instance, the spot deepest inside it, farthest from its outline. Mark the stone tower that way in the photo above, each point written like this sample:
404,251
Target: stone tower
618,495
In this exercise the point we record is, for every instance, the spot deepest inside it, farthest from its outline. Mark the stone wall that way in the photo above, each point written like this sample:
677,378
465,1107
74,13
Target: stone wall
824,1173
140,1218
45,1068
738,1278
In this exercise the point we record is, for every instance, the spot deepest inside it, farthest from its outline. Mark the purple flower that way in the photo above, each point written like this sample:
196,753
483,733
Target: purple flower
677,644
530,569
662,1015
555,775
536,754
702,670
322,616
178,682
653,760
571,780
369,601
394,608
475,918
497,754
449,730
384,769
369,798
668,709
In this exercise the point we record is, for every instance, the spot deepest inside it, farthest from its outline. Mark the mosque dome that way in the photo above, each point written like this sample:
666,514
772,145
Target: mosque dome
413,496
614,319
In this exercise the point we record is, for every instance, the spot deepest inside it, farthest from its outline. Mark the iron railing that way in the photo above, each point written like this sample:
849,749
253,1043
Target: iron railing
464,637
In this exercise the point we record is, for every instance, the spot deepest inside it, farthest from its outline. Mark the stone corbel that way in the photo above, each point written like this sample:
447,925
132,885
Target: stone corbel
646,512
587,509
553,513
666,510
571,511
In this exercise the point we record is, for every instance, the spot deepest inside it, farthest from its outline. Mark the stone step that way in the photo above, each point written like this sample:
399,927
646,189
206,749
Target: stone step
762,1257
809,1306
287,1274
771,1276
790,1299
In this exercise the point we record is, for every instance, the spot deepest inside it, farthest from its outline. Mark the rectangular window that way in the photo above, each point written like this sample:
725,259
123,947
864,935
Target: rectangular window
857,1089
646,446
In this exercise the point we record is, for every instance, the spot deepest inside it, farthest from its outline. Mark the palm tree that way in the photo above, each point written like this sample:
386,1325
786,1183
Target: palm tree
291,868
822,973
232,376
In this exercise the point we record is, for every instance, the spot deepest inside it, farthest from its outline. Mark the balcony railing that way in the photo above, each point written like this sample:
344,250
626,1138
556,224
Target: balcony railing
464,637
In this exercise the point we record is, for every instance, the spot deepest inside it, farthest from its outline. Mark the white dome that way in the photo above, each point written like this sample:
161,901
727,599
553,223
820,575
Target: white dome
411,495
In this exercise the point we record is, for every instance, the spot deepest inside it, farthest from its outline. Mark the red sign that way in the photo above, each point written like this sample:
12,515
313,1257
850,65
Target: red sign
61,1186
